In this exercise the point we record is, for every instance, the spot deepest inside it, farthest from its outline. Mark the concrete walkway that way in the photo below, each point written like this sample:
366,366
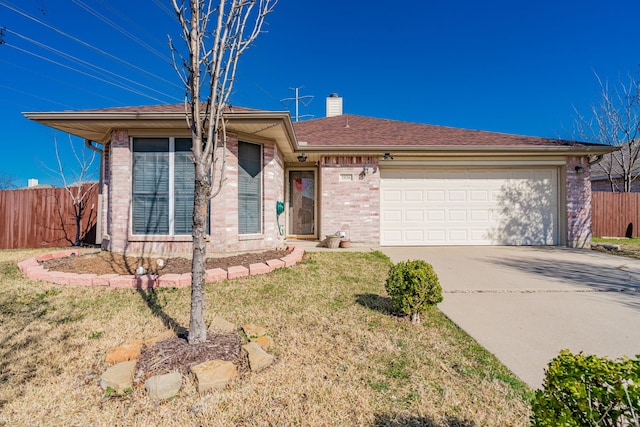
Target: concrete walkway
525,304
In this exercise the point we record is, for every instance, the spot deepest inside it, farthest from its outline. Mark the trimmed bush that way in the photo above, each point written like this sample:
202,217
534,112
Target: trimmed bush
581,390
413,286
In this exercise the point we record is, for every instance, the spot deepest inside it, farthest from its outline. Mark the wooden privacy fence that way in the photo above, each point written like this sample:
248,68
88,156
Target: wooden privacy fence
615,214
43,217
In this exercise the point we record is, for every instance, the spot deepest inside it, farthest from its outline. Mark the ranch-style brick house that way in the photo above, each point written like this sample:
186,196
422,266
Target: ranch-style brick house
378,181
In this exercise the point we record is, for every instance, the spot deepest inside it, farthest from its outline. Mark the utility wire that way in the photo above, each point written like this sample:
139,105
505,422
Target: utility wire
41,98
62,83
124,87
130,23
102,52
164,7
122,30
89,64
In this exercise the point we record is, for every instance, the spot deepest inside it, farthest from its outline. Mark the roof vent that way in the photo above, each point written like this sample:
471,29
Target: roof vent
334,105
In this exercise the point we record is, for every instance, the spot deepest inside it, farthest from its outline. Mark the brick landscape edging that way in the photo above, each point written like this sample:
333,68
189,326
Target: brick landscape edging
35,271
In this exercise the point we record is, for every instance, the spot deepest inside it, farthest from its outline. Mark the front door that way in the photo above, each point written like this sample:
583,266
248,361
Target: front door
302,203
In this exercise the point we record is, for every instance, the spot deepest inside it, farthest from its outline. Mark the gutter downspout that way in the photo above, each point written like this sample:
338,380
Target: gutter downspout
596,159
90,145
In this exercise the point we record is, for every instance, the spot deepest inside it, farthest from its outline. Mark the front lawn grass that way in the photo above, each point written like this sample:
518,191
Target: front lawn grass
344,358
629,247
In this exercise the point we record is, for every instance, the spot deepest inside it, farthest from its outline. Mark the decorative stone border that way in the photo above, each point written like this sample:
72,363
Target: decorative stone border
211,374
35,271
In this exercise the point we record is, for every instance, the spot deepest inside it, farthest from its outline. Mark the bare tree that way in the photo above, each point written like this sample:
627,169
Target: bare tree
7,181
78,182
216,34
615,121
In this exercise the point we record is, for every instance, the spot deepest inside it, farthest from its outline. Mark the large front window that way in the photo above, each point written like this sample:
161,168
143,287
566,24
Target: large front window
249,188
163,183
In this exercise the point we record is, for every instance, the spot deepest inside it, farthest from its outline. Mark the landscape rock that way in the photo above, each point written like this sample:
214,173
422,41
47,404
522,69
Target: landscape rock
214,374
220,324
128,351
264,341
258,358
254,330
119,377
163,386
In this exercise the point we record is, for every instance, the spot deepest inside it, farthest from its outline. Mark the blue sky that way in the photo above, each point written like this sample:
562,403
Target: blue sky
506,66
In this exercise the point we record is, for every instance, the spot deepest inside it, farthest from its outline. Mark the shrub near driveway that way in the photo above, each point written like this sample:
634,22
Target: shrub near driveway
343,357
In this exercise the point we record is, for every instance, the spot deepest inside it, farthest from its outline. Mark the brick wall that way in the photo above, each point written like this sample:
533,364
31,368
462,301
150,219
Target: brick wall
578,203
119,182
352,205
224,207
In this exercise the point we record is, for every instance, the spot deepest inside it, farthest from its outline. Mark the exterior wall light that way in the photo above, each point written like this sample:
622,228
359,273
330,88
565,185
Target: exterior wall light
302,157
366,170
387,156
580,169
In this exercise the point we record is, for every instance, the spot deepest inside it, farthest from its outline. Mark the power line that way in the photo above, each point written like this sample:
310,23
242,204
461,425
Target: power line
102,52
122,30
60,82
89,64
164,7
137,92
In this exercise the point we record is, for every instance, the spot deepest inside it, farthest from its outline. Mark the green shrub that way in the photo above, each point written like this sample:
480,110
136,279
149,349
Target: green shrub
413,286
581,390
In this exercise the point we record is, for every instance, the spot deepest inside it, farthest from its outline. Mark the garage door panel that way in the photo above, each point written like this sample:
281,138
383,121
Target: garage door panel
435,196
390,195
457,195
414,216
469,207
392,215
456,215
436,215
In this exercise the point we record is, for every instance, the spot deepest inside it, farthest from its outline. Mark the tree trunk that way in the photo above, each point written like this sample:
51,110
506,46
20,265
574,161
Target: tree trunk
197,325
415,318
77,212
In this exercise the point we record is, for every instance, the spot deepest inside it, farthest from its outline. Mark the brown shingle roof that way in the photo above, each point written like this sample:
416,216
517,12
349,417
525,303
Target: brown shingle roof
353,130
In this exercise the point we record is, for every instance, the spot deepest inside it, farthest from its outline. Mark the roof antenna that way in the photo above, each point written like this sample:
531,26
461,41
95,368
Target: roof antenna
304,100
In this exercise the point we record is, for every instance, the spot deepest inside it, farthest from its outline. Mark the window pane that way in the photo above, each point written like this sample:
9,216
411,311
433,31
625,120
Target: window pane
183,185
150,198
249,188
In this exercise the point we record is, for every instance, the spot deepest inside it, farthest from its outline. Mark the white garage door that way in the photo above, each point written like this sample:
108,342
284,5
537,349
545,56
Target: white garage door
469,207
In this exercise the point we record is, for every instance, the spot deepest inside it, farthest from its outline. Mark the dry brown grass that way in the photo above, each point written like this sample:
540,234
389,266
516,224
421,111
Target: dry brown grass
343,358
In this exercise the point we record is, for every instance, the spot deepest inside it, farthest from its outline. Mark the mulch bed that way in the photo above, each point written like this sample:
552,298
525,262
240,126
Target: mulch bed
114,263
176,355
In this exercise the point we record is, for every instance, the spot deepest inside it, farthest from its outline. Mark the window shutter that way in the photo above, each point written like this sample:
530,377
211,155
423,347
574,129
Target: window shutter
150,201
249,188
184,177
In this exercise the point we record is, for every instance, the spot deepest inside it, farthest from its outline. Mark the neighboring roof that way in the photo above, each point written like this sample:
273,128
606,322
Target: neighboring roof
350,131
598,171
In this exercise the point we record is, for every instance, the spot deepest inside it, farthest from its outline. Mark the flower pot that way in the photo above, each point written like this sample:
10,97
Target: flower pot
345,243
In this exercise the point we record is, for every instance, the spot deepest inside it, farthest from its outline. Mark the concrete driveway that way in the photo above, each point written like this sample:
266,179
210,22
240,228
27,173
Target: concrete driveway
525,304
